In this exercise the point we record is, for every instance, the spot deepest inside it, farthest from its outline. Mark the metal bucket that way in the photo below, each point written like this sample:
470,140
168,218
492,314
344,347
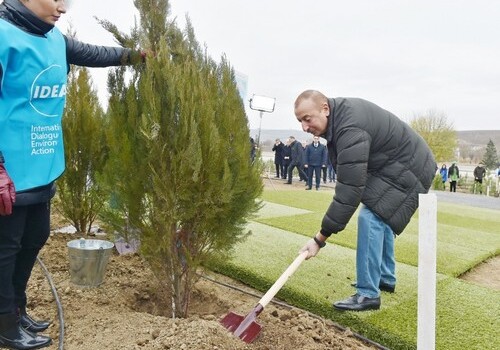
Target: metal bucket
88,259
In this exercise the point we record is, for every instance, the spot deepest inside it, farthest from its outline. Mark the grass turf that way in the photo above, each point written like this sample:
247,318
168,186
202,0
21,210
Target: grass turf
467,315
466,235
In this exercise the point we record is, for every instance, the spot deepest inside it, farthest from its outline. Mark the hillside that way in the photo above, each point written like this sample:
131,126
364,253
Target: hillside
269,135
477,138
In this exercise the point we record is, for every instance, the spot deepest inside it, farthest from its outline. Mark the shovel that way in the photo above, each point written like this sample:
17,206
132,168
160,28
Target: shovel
246,328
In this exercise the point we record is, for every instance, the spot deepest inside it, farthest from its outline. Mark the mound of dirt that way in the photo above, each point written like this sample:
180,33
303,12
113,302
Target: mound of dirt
127,311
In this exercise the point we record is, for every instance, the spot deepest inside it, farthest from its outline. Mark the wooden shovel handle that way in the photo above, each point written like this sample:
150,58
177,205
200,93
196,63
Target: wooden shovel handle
282,279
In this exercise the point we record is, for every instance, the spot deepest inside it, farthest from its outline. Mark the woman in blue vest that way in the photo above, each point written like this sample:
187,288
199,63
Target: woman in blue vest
34,62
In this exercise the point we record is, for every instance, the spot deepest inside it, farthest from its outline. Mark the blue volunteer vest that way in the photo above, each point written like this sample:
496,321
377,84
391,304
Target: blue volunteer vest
32,98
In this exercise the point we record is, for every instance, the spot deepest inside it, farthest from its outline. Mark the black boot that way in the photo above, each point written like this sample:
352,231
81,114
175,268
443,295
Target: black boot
13,336
30,324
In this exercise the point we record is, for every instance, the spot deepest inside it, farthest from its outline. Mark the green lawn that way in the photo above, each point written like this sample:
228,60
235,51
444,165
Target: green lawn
467,315
466,235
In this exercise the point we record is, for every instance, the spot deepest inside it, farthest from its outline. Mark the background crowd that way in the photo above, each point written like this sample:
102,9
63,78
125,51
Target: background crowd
309,158
452,175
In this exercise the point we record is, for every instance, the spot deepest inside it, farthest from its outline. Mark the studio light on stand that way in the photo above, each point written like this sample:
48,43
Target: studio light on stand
263,104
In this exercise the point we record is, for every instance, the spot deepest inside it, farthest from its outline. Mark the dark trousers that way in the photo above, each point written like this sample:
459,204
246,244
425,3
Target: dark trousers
285,169
22,235
453,186
280,170
302,174
317,172
331,173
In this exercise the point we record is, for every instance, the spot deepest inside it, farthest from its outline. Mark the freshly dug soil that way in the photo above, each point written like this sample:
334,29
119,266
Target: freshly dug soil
127,311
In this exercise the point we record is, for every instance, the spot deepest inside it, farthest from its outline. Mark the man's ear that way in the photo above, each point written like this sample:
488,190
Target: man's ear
325,108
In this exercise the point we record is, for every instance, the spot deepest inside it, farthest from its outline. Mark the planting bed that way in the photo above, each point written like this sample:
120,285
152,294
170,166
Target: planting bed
127,312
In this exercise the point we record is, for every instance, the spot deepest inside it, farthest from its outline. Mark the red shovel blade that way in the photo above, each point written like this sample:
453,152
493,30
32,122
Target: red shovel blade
243,327
246,328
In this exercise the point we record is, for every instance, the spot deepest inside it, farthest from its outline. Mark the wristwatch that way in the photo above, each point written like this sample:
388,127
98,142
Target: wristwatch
321,244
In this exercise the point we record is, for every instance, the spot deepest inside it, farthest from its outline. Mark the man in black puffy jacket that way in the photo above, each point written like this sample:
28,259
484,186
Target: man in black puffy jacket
380,162
34,62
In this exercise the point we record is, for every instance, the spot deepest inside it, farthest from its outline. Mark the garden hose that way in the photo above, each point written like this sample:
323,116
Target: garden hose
58,303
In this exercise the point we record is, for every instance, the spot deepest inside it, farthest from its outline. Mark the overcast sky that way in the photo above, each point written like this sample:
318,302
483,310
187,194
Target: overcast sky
407,56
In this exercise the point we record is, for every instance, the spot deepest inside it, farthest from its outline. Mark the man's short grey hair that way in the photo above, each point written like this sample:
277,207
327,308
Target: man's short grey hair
315,95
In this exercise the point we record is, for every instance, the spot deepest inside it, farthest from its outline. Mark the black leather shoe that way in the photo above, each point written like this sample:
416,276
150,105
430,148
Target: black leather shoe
13,336
358,303
32,325
308,188
288,183
382,286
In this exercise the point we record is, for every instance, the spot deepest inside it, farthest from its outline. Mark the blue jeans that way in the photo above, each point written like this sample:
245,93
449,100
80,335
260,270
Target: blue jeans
375,261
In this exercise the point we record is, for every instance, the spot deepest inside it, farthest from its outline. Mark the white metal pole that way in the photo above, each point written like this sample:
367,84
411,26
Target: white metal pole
260,127
427,238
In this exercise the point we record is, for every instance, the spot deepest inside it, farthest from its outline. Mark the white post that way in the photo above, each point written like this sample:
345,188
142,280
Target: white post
427,237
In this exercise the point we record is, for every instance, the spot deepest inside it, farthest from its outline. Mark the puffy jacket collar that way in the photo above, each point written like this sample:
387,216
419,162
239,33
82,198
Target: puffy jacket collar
19,15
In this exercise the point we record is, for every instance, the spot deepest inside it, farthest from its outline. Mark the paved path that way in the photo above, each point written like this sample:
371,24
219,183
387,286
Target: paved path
473,200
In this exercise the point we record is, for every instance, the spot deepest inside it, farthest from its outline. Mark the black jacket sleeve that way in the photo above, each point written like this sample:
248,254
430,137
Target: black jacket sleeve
353,147
82,54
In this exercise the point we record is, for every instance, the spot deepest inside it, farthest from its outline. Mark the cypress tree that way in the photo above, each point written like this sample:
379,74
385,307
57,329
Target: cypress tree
490,158
79,193
197,184
126,169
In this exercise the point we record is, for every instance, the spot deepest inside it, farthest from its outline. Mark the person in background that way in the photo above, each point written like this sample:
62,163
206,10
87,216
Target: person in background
324,170
287,156
303,173
453,176
331,171
296,160
278,157
383,164
324,173
497,173
479,174
34,62
314,161
253,149
444,175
